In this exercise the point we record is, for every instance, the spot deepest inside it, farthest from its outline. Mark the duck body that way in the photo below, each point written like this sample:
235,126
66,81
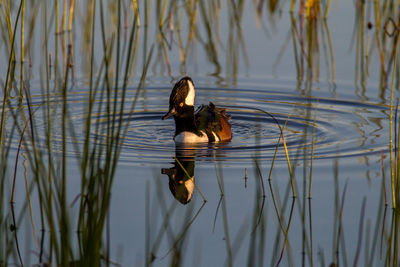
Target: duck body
207,124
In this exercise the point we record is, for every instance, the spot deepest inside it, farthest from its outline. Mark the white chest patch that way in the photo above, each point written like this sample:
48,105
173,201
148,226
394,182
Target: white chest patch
189,100
189,137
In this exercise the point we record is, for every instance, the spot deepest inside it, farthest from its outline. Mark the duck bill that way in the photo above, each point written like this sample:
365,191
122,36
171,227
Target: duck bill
170,113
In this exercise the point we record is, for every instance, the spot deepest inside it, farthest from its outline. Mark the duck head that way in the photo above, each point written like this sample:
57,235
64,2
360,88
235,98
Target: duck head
181,98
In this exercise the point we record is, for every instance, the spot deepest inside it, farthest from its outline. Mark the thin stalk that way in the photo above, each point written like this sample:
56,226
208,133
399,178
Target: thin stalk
136,7
56,47
312,153
86,152
22,49
360,232
327,8
64,17
48,134
71,14
391,124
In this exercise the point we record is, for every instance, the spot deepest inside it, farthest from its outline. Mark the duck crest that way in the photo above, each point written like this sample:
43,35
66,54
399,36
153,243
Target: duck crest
189,100
183,92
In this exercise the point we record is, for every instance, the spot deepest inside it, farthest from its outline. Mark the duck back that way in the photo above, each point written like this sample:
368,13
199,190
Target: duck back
214,121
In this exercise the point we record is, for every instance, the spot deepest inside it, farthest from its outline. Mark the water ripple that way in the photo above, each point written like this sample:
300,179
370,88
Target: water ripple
342,127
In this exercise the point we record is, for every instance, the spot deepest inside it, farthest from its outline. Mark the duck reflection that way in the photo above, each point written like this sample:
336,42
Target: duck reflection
181,175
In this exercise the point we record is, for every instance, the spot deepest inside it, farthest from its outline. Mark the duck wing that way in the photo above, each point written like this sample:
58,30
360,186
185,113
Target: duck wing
210,119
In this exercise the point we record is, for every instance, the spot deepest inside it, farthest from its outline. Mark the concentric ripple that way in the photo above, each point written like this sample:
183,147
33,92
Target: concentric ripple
341,128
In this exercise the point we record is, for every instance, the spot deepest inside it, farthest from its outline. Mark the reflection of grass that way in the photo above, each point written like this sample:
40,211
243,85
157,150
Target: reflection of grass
310,35
385,31
393,240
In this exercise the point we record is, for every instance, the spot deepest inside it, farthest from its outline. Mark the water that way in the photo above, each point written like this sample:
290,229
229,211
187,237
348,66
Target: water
334,118
343,127
350,132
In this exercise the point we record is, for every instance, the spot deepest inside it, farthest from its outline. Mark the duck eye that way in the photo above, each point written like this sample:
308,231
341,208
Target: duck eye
181,104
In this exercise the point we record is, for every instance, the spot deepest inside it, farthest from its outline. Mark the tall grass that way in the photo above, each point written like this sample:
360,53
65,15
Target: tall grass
49,167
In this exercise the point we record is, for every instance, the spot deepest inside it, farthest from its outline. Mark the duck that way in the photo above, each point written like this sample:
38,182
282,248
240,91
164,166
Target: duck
181,177
208,124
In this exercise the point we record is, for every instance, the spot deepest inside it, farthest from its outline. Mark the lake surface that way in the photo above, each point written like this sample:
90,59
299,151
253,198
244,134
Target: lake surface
334,110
